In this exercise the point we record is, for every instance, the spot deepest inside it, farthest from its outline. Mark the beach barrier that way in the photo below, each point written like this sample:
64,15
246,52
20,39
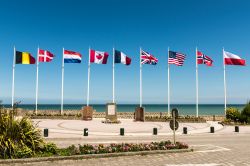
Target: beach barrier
237,129
184,130
211,129
46,132
122,131
155,131
85,132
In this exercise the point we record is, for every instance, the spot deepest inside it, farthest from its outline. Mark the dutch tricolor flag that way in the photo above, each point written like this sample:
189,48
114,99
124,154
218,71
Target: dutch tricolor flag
72,57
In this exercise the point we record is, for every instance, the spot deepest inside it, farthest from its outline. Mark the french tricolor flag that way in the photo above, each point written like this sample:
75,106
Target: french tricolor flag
72,57
232,59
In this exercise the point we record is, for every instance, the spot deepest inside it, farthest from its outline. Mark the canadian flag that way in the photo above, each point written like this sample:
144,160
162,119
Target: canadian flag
232,59
45,56
98,57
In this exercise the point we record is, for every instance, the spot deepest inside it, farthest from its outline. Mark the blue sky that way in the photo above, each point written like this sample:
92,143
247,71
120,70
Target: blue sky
126,24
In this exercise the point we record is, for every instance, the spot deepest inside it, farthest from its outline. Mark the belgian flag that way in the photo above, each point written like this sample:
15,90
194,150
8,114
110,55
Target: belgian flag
24,58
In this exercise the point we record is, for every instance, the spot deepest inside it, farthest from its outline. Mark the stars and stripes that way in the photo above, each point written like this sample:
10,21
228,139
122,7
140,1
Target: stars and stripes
147,58
176,58
203,59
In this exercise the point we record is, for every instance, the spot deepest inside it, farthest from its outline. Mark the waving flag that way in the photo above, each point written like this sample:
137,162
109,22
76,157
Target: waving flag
176,58
147,58
98,57
203,59
120,57
45,56
72,57
232,59
24,58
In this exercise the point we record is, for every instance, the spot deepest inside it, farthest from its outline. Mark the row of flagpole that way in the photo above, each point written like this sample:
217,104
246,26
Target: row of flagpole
113,81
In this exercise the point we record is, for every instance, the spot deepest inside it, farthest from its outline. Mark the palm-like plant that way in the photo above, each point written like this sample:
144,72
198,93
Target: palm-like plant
18,137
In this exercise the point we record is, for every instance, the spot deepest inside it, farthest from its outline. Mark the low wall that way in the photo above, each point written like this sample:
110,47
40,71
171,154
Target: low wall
76,114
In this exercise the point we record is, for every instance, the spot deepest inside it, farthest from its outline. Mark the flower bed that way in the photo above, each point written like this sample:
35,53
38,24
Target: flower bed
111,148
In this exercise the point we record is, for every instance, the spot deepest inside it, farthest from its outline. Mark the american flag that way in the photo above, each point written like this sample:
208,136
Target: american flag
176,58
147,58
203,59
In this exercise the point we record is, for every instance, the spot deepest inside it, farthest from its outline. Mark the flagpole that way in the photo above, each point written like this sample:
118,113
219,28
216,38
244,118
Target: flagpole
197,86
88,79
225,85
37,72
13,77
140,80
113,75
62,82
168,85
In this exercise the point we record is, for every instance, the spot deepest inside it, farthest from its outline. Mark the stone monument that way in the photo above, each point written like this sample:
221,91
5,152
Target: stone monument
111,113
140,114
87,113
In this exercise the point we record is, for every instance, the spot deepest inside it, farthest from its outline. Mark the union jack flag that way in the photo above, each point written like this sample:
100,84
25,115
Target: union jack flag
203,59
176,58
147,58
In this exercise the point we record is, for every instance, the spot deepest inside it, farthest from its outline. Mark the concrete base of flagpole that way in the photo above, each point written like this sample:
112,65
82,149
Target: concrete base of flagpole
87,113
139,114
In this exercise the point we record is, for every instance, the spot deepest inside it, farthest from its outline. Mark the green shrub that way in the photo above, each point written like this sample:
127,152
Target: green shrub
233,114
18,138
246,110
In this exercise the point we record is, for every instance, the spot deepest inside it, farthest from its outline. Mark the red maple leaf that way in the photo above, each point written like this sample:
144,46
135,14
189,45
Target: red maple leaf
99,56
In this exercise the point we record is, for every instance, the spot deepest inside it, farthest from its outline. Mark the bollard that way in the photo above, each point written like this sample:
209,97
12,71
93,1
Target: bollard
85,132
213,117
184,130
211,129
237,129
154,131
46,132
121,131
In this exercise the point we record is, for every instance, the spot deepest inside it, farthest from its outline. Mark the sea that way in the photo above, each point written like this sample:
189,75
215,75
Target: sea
184,109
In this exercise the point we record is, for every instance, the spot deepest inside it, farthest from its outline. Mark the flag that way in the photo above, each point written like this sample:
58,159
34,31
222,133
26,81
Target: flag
45,56
120,57
71,57
176,58
147,58
203,59
98,57
232,59
24,58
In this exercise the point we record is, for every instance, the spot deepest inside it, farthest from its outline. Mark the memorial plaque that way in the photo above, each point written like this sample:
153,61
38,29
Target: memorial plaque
111,109
111,114
139,114
87,113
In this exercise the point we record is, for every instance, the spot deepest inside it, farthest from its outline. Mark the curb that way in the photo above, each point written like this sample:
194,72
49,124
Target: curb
91,156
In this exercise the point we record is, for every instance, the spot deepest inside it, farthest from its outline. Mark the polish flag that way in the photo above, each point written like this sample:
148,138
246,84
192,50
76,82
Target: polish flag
232,59
98,57
45,56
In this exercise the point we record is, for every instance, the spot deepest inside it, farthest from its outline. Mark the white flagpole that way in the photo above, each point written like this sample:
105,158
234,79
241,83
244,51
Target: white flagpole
37,72
13,77
140,80
113,75
225,85
168,85
62,82
197,86
88,79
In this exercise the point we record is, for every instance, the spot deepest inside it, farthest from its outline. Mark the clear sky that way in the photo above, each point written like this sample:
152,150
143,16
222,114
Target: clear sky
154,25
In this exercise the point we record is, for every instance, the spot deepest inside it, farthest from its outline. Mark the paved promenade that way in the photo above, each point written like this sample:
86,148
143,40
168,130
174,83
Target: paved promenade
222,148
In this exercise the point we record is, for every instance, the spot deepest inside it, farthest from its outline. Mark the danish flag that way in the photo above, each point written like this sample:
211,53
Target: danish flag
45,56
